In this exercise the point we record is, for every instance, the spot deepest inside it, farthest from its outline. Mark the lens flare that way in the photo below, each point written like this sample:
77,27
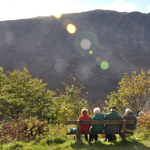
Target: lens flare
104,65
58,16
9,37
90,52
85,44
83,72
61,65
71,28
98,59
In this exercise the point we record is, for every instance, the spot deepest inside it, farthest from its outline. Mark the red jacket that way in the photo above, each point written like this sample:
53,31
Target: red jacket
86,127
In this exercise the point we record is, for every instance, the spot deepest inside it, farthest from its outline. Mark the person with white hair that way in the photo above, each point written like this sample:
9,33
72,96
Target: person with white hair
130,116
96,128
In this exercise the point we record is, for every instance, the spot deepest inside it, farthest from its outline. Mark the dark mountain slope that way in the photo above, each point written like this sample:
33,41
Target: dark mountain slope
50,52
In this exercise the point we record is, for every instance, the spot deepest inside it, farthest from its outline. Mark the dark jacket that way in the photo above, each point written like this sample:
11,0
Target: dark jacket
113,128
97,128
130,116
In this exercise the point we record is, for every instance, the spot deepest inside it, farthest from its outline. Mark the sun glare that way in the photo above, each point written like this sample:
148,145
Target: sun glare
98,59
71,28
58,16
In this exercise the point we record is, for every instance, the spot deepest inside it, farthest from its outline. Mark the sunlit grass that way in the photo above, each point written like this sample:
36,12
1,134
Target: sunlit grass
69,144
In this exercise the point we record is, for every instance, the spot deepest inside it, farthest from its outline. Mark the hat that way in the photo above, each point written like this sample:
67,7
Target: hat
114,107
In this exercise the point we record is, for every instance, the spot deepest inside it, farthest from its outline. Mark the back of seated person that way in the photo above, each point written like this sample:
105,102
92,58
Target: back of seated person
130,116
84,127
98,128
112,129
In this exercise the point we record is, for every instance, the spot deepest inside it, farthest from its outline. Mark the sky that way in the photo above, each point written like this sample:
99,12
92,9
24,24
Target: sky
23,9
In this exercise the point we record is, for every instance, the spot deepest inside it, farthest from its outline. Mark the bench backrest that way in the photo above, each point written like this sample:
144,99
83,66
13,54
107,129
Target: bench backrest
93,122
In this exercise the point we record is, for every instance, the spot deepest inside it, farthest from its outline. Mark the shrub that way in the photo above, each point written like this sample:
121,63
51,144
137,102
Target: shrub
55,134
15,145
141,134
21,129
143,127
31,130
59,139
144,121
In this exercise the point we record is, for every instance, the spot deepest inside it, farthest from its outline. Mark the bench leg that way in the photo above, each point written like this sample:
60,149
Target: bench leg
78,136
122,136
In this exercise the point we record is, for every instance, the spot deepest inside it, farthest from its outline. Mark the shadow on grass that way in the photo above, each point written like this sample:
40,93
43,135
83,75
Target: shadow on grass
117,145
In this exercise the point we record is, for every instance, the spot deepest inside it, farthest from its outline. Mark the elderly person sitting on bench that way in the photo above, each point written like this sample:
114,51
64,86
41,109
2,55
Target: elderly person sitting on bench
84,127
130,116
98,128
112,129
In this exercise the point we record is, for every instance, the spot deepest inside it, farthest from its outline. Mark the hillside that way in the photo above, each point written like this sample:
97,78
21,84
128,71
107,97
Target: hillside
50,52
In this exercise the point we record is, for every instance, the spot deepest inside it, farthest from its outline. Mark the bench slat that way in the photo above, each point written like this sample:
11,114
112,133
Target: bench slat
99,122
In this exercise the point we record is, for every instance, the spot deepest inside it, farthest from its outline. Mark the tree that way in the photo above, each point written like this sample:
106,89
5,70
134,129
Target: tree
2,76
22,94
133,92
69,102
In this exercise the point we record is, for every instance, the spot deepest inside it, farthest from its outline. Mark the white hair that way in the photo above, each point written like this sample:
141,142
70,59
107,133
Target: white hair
128,110
96,110
112,109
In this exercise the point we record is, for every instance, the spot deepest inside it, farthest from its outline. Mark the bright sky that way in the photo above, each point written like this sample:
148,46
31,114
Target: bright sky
22,9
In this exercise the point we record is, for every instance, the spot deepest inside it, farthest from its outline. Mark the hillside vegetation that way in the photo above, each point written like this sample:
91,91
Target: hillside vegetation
33,117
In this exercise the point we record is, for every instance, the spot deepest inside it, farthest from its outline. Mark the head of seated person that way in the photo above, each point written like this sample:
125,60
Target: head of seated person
96,110
127,111
84,111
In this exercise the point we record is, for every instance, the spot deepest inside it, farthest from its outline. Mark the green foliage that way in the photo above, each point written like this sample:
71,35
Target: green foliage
56,139
141,133
22,94
15,146
133,92
31,130
2,77
69,103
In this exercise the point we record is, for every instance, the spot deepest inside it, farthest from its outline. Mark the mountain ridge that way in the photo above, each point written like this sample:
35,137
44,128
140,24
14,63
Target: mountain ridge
45,47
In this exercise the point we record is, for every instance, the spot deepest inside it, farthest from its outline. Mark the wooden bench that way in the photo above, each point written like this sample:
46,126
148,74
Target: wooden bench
94,122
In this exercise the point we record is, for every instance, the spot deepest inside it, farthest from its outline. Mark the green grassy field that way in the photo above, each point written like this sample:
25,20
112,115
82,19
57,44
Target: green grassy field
55,138
70,144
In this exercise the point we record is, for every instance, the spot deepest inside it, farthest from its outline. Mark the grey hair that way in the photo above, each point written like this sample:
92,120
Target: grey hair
128,110
96,110
84,111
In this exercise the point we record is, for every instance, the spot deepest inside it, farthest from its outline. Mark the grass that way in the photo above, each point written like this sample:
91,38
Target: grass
131,143
56,139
